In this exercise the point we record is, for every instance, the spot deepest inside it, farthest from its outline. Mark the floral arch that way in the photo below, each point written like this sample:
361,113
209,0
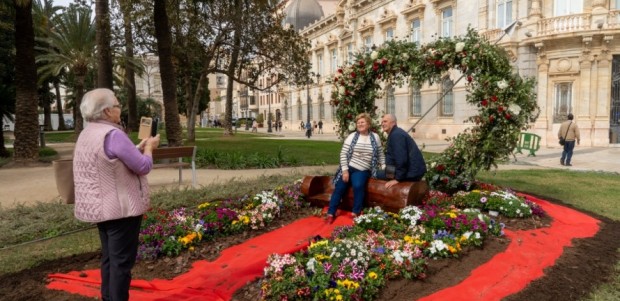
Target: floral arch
506,102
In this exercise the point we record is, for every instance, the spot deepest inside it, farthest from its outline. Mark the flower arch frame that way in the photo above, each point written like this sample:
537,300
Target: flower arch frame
506,102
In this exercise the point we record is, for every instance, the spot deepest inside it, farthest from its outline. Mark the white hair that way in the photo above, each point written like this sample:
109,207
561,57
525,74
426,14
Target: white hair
94,102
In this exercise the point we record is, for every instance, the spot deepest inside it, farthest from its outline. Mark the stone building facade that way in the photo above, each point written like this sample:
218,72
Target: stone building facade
571,47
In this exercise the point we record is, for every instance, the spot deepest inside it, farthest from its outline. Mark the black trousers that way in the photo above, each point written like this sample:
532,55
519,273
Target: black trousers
119,248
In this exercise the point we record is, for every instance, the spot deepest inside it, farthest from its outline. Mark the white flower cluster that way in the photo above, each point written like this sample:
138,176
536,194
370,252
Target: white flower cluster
355,250
437,246
502,84
266,197
410,215
401,256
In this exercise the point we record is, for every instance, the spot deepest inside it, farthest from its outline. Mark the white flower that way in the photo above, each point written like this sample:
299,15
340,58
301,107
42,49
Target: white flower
351,127
459,46
310,264
341,90
502,84
432,51
515,108
405,56
374,55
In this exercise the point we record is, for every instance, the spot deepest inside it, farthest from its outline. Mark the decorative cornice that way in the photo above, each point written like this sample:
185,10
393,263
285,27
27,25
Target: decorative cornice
415,8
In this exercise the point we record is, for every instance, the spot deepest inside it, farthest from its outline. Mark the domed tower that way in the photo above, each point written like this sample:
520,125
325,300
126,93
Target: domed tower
301,13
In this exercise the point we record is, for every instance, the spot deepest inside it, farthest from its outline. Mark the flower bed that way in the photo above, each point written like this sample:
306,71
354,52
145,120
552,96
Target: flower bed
357,261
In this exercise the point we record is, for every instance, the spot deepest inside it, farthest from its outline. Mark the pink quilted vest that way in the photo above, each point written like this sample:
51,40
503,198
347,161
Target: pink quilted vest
105,189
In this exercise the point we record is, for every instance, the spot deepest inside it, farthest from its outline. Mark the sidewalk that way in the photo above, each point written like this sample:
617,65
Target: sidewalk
37,184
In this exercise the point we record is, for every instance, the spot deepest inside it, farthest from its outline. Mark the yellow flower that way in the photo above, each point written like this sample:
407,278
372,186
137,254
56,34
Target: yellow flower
191,248
339,298
408,239
234,222
372,275
318,244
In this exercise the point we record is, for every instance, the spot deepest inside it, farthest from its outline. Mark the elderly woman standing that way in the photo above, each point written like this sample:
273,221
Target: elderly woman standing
360,157
111,189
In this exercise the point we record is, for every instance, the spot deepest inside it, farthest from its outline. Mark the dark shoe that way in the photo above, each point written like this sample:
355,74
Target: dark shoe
569,164
562,163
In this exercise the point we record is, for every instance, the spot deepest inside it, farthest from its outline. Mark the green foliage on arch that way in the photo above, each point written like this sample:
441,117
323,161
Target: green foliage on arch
506,102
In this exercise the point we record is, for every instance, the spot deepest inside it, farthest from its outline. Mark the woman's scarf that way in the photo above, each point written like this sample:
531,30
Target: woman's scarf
373,162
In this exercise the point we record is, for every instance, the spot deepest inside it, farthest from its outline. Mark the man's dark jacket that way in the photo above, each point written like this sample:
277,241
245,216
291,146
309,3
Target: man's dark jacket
403,153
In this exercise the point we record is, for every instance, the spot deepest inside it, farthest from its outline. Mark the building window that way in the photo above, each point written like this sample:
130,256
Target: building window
504,13
416,101
416,31
446,22
567,7
617,6
368,43
563,101
389,34
447,104
334,64
349,53
390,104
319,59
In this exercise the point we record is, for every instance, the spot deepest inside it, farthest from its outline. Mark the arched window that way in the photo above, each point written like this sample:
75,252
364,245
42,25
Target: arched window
447,104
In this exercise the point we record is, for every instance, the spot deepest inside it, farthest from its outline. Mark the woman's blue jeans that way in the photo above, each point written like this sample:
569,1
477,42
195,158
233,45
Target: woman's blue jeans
357,179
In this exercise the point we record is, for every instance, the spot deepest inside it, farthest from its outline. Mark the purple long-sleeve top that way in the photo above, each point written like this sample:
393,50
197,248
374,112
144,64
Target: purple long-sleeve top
118,145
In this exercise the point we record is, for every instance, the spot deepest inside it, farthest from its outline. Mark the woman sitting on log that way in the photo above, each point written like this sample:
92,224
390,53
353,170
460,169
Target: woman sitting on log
360,158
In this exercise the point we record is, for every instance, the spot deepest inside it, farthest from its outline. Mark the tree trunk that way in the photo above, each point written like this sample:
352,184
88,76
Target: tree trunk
61,116
187,80
104,57
79,93
168,77
47,115
26,149
230,72
130,81
195,104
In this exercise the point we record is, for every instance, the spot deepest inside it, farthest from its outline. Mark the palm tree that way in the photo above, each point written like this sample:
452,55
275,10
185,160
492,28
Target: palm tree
168,76
104,53
7,70
72,48
26,116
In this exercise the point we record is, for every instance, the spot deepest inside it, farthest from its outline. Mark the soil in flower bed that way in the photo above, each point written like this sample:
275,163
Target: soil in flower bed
579,270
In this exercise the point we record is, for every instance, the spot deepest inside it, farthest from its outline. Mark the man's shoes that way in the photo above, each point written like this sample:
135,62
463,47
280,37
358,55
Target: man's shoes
568,164
562,163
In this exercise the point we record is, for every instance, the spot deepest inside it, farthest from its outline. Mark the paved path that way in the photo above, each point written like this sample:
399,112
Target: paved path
37,184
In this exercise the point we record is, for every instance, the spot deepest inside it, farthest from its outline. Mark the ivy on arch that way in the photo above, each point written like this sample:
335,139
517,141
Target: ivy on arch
505,102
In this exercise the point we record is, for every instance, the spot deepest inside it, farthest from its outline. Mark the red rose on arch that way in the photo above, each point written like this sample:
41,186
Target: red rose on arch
384,61
375,66
378,76
500,109
440,167
491,118
445,180
349,116
507,116
484,102
346,102
339,70
353,75
361,63
494,98
469,78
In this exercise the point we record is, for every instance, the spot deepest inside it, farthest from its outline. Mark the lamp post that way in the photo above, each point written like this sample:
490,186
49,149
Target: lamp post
308,99
269,130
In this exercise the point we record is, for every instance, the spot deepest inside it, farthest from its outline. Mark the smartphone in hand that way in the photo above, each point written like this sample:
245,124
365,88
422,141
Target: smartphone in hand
154,127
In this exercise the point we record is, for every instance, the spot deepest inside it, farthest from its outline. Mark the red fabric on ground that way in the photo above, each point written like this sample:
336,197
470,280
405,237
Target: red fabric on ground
528,254
525,259
216,280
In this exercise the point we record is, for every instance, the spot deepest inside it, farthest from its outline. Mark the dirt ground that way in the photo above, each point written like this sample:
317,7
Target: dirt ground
577,272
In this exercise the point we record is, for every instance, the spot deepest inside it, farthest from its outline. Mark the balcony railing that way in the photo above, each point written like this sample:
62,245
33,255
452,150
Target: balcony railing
564,24
492,35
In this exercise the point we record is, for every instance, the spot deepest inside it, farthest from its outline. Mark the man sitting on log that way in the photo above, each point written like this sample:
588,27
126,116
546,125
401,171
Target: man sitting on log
403,157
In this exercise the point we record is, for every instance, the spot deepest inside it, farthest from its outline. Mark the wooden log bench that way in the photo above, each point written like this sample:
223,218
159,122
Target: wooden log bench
529,142
179,153
318,190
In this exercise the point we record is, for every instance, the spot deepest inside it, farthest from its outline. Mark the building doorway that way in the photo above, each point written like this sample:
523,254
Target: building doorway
614,115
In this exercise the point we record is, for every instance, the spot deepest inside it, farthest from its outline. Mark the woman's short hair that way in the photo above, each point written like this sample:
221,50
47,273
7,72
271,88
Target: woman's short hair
365,116
94,102
570,116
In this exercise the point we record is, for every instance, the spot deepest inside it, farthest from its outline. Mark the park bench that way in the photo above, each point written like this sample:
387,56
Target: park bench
179,153
530,142
318,190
